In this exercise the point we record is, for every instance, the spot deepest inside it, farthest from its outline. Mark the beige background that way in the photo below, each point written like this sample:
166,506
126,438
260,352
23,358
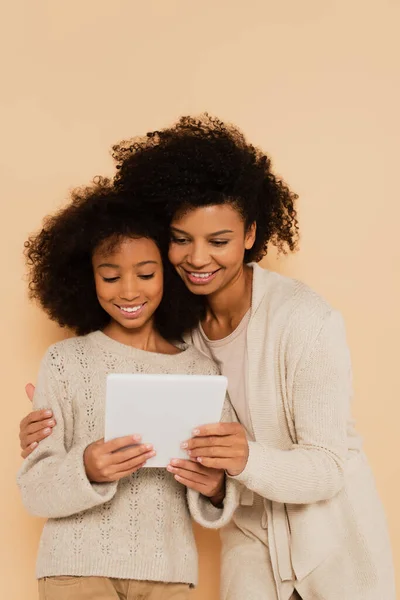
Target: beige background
315,83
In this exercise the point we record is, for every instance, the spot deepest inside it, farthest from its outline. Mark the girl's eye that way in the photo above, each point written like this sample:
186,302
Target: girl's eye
219,243
110,279
145,277
177,240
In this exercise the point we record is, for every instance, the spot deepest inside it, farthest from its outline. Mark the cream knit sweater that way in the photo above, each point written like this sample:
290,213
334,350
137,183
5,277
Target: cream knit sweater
138,528
310,497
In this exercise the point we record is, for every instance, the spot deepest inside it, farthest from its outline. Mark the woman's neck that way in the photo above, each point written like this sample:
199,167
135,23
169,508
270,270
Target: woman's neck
227,307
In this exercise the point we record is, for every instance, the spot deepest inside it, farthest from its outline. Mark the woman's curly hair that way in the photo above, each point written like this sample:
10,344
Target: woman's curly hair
203,161
59,260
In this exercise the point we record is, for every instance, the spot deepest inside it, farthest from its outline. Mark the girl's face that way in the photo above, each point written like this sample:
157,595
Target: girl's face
129,281
208,245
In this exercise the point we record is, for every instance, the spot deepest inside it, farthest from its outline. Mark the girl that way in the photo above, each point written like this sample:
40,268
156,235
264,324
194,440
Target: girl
114,529
310,523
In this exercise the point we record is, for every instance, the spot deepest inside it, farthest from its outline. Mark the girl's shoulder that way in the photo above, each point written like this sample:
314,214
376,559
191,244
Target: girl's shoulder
196,362
60,353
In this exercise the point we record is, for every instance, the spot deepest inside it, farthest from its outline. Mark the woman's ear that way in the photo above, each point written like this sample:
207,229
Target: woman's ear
250,236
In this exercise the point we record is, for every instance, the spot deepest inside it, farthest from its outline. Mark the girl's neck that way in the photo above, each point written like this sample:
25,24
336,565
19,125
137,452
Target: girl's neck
146,338
227,307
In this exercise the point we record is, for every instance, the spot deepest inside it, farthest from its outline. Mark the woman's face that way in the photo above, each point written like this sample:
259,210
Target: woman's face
129,281
208,245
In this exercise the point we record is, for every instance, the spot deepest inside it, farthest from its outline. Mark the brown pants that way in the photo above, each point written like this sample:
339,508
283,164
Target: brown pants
103,588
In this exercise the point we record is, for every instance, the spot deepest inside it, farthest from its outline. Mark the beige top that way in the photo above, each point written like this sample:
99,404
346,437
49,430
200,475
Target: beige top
322,516
230,354
137,528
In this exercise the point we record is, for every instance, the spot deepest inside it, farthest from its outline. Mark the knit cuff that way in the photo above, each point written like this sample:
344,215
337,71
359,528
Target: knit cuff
209,516
93,493
254,460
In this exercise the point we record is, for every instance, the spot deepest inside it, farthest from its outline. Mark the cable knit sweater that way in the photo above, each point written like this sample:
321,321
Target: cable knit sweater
137,528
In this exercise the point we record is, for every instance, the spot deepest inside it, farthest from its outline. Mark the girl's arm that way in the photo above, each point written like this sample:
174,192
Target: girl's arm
52,480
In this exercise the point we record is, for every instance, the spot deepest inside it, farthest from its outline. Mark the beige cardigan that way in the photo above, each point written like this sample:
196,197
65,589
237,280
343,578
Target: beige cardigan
309,491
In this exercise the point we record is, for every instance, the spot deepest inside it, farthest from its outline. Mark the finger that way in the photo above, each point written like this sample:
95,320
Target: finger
125,455
36,416
216,452
122,474
198,478
30,391
129,465
193,485
122,442
217,429
216,463
202,442
36,437
28,450
189,465
38,426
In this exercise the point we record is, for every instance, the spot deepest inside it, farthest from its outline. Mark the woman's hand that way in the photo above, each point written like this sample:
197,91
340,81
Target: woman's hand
219,446
111,461
34,427
209,482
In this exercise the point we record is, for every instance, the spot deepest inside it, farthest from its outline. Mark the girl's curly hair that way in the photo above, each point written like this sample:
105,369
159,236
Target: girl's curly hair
59,260
202,161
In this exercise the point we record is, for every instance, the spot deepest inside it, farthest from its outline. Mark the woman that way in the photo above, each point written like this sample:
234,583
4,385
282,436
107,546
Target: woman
310,522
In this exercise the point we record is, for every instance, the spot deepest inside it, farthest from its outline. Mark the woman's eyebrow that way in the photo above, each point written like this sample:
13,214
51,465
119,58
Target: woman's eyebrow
221,232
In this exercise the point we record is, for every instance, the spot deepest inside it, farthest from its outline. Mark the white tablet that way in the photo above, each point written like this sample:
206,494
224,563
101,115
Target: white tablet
163,409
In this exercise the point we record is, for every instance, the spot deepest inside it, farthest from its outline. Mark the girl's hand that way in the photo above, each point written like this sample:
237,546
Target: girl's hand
219,446
34,427
209,482
111,461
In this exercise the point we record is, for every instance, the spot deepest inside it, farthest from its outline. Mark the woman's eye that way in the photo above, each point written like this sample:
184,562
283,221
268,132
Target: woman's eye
110,279
177,240
145,277
219,243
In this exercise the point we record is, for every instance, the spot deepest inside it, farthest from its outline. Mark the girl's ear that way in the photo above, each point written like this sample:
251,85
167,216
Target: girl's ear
250,236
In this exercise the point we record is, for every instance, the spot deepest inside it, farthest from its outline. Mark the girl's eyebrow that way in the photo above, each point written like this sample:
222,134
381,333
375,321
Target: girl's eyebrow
110,265
141,264
221,232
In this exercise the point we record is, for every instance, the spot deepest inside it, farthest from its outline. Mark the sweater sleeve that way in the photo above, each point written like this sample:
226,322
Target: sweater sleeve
313,469
52,479
201,508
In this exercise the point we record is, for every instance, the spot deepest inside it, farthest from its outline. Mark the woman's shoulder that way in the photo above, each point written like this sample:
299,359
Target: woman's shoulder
288,298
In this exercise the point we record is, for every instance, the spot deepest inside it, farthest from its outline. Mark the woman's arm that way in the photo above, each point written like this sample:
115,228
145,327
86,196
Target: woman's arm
52,480
313,469
213,509
35,427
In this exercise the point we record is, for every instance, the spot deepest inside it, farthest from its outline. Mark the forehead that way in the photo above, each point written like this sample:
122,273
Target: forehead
134,250
209,219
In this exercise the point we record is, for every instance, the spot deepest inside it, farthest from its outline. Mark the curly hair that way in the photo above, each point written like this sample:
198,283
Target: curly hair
59,260
201,161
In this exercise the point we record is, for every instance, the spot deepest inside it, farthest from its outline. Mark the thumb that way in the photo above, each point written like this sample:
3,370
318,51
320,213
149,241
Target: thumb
30,390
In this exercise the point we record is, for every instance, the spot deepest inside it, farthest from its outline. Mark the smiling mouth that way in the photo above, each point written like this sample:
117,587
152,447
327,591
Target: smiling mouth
201,277
131,312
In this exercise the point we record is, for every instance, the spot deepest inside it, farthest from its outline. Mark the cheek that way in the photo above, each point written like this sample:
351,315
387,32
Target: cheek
156,289
176,254
233,254
100,289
